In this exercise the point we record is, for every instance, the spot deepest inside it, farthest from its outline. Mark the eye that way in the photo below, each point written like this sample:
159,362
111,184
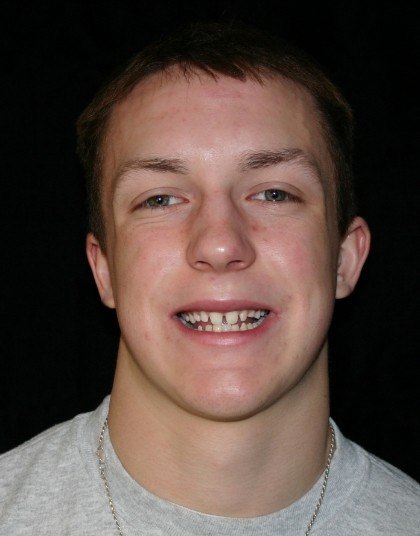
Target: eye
160,201
274,195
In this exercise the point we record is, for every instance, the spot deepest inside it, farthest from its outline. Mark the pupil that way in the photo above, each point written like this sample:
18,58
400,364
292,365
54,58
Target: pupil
274,195
158,200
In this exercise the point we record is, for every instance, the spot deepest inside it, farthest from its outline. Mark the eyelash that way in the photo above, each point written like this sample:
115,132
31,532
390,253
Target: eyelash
283,197
146,204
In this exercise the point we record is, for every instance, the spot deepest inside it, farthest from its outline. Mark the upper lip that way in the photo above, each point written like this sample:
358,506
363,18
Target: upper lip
222,306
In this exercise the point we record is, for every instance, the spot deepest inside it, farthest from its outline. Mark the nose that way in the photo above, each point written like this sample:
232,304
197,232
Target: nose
219,239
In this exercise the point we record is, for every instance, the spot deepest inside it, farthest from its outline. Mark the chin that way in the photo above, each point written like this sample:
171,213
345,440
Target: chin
232,402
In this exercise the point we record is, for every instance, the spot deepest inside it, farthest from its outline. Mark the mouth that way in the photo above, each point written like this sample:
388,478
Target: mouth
219,322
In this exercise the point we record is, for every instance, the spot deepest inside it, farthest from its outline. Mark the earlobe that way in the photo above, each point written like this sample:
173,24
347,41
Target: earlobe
99,265
354,250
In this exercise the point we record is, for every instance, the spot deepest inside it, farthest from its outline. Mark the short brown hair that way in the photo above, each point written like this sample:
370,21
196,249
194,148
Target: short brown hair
234,51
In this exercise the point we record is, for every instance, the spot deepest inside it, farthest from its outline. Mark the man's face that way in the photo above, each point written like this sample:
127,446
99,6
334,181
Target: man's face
221,240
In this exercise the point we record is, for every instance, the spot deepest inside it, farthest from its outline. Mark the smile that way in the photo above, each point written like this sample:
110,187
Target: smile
219,322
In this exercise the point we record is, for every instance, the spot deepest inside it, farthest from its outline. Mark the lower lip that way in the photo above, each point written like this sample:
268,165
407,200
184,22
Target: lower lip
226,338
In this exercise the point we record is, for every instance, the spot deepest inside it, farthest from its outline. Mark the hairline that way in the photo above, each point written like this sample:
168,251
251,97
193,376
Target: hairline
259,74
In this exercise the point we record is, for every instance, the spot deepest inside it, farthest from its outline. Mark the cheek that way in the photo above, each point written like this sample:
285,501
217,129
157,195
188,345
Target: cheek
142,254
144,263
302,254
290,247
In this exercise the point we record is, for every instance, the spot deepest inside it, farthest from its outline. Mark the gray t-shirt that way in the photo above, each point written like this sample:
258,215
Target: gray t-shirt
51,486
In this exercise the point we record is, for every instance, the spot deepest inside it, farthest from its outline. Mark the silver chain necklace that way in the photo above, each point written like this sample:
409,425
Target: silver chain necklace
101,459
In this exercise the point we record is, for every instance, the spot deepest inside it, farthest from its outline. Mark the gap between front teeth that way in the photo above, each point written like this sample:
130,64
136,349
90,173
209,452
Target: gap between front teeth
221,322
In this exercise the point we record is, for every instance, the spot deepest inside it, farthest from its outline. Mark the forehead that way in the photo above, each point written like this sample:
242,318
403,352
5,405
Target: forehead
211,121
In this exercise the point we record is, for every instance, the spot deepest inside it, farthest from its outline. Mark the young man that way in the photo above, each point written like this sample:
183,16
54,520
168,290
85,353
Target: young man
223,228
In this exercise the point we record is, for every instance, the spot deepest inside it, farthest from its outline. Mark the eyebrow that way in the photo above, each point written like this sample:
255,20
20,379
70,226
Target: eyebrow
262,159
165,165
247,161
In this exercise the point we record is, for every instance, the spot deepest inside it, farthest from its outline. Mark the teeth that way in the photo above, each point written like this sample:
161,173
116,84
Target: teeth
222,327
216,318
232,317
221,322
243,315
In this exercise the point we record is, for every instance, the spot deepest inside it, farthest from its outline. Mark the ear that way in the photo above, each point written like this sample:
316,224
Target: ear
352,255
99,265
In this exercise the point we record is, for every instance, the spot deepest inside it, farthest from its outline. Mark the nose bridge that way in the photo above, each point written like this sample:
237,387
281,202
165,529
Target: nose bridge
219,239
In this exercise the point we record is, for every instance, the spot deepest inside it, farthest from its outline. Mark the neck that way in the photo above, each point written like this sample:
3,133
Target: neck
246,468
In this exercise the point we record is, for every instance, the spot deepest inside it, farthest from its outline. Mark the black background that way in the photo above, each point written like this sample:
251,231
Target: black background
58,343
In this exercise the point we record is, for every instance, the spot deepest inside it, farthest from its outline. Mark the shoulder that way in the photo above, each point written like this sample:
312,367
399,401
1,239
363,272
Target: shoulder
384,481
41,456
47,478
384,500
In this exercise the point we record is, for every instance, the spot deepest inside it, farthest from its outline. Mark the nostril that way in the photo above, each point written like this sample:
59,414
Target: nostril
235,263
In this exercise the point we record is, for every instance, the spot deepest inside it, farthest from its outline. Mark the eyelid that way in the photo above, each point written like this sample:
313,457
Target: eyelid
139,202
143,204
289,195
